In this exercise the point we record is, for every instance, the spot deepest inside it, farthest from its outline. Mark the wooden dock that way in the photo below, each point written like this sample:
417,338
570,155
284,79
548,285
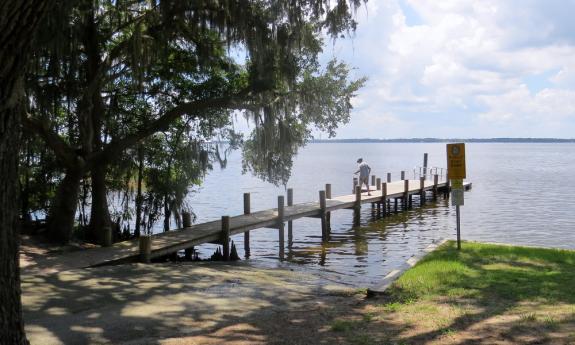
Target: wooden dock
386,196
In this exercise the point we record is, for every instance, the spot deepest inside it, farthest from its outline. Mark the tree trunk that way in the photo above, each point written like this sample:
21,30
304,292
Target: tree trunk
11,323
100,214
139,196
63,209
19,21
167,213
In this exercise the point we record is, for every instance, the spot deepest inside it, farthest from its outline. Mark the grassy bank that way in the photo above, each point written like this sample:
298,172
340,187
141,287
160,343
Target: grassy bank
484,294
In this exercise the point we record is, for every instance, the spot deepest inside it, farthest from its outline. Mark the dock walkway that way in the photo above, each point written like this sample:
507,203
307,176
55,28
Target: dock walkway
172,241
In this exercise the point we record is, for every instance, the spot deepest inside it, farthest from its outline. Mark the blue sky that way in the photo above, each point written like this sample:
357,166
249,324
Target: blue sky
452,68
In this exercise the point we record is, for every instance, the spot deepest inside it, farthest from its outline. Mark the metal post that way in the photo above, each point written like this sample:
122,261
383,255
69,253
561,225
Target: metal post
458,227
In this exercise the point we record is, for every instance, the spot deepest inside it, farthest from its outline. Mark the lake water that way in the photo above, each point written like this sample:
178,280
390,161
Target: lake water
522,194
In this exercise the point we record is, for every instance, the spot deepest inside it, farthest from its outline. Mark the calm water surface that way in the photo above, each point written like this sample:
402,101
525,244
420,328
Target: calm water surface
522,194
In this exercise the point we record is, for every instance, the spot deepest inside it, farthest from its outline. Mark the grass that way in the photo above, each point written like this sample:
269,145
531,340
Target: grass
487,293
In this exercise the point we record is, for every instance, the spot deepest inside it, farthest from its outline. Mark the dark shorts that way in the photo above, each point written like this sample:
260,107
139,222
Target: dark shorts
363,179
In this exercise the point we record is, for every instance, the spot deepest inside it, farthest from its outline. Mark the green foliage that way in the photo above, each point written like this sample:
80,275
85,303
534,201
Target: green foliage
108,76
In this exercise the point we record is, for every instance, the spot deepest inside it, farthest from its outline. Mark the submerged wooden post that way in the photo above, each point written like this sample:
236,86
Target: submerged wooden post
435,182
322,214
280,224
247,210
405,193
421,191
186,223
225,237
145,248
290,224
388,177
383,196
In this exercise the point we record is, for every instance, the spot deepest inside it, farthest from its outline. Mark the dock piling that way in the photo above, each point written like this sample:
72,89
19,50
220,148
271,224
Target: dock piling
357,206
328,196
383,197
280,224
388,177
373,177
405,193
422,191
322,207
403,175
290,224
186,223
355,183
145,248
247,210
225,237
378,183
435,183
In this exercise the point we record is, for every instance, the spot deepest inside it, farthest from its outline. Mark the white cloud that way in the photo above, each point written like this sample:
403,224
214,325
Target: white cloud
484,62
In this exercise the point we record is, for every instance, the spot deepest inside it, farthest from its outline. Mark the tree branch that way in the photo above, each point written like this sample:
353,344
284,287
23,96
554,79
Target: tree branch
63,151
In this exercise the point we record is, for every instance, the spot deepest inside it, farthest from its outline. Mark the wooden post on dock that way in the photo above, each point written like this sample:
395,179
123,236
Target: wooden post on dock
247,210
145,248
405,193
225,237
186,223
422,190
280,224
389,201
403,175
425,165
357,206
388,177
322,214
328,196
435,183
290,223
383,196
108,241
373,177
355,183
378,185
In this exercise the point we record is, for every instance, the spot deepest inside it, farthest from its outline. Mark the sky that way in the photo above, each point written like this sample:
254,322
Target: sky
465,69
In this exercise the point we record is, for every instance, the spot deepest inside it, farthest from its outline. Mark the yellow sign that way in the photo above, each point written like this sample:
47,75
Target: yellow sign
457,184
455,161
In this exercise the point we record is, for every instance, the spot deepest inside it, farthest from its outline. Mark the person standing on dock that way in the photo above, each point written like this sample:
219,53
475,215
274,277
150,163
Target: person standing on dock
364,170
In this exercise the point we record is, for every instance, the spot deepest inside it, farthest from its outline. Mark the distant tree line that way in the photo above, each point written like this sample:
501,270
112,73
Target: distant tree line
452,140
124,96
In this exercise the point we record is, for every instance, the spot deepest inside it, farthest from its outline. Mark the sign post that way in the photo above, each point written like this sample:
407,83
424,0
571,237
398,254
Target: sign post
456,173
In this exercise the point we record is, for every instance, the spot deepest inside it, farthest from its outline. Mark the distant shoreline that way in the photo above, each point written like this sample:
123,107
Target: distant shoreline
438,140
